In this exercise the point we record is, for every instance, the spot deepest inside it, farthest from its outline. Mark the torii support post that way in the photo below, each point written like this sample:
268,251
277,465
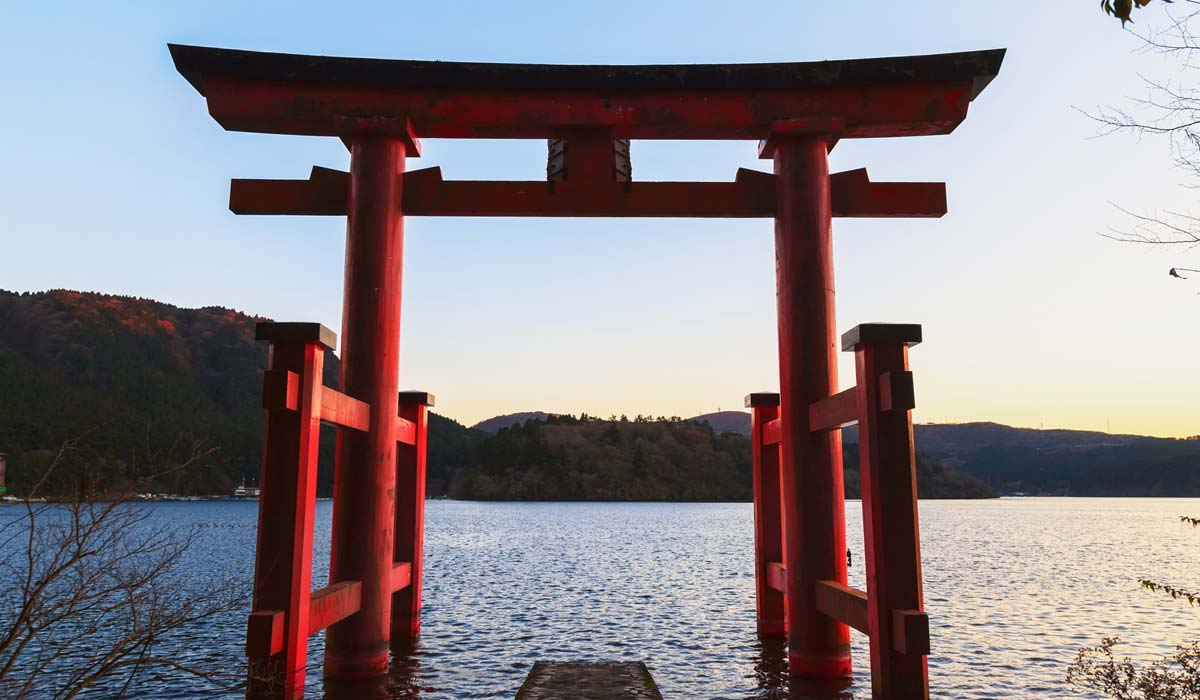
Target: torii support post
810,463
288,483
286,611
768,524
410,518
891,611
898,626
364,506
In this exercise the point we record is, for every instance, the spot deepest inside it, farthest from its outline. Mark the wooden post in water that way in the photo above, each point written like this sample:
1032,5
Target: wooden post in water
288,490
810,463
365,479
410,517
898,625
768,524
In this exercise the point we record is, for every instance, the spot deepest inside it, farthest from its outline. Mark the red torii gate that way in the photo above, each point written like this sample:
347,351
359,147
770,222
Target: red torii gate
379,108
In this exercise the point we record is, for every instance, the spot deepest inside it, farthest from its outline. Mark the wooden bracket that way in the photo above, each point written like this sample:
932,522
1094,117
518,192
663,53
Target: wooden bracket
852,194
910,632
844,604
399,127
789,129
777,576
831,412
896,391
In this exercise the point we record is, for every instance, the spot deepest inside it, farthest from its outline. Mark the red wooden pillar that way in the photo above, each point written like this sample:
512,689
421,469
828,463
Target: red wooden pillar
365,477
410,516
895,604
810,463
283,557
768,525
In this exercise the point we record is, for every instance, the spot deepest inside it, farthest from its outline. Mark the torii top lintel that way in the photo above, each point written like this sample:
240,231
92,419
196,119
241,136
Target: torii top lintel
318,95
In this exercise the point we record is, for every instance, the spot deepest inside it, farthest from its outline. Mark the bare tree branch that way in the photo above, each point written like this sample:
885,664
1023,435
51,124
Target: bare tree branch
98,588
1169,110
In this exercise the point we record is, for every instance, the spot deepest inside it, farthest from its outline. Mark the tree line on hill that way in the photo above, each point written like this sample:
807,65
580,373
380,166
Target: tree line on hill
569,458
141,379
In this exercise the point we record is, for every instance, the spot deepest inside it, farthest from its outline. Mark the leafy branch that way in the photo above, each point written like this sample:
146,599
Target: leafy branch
1174,678
1122,9
1175,593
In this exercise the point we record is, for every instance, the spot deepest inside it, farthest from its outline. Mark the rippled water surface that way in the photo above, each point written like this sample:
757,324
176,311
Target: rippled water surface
1013,588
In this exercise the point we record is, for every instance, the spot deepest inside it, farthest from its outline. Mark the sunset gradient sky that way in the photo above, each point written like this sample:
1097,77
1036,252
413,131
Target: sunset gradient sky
116,180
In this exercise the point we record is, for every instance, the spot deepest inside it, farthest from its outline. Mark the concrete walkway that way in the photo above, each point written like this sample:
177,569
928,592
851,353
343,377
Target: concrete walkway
572,680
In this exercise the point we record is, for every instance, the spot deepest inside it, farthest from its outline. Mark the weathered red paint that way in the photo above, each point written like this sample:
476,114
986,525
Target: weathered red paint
365,474
811,463
768,524
893,547
750,195
283,556
871,112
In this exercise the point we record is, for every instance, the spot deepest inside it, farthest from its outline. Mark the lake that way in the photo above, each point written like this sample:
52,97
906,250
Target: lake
1013,588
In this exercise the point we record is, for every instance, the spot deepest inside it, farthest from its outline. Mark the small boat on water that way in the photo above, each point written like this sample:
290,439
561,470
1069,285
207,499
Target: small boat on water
245,493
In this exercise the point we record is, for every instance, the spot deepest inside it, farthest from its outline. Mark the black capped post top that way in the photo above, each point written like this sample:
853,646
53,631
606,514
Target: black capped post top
881,334
424,398
761,398
295,332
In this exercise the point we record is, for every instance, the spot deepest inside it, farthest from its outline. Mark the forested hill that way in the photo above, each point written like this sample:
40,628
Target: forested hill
137,376
587,459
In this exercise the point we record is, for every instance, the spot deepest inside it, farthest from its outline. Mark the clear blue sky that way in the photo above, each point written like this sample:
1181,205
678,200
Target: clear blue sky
116,180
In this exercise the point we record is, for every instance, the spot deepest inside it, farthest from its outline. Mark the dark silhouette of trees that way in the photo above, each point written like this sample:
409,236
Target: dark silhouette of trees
94,593
563,458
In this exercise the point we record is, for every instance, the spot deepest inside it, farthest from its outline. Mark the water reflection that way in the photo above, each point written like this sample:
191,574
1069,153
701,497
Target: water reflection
402,682
773,682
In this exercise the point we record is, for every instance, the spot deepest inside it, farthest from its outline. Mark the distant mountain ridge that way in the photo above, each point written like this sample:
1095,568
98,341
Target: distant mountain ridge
492,425
726,421
1055,461
950,436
